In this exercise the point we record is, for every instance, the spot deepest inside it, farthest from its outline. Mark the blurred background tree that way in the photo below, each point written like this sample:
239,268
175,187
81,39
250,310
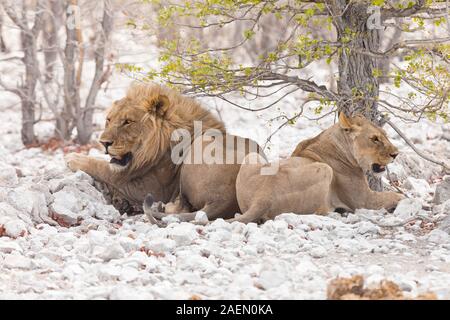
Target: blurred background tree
53,55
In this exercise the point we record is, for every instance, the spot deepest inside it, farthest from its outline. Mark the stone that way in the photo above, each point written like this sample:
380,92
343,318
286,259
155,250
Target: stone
7,245
8,176
271,279
408,208
318,252
418,187
15,228
113,251
63,216
161,245
97,238
183,234
305,267
15,261
438,236
201,217
442,193
444,225
368,227
128,274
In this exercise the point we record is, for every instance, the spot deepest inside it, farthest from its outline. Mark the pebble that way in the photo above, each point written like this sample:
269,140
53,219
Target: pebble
183,234
407,208
318,252
113,251
13,261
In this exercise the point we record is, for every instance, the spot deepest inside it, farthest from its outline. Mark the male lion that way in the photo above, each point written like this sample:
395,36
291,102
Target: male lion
324,173
138,137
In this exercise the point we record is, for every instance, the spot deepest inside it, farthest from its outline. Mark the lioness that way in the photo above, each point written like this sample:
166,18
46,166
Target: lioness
138,137
324,173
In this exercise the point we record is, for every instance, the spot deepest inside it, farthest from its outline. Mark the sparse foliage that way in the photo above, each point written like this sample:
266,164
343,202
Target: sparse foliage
357,31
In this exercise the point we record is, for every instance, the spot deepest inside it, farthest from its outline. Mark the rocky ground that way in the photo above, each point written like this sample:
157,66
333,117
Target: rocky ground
60,239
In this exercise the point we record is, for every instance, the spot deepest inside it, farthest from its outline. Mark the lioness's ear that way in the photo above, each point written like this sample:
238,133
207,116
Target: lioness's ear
160,105
344,121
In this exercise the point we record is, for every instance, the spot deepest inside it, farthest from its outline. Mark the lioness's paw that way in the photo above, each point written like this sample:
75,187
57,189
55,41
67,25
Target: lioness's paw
75,161
397,197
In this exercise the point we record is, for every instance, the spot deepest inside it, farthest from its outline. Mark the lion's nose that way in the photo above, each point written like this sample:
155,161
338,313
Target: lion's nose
394,155
106,144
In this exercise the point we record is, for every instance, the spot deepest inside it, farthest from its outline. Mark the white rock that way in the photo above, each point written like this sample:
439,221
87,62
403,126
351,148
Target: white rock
8,245
183,234
368,227
445,224
414,166
438,236
109,272
8,176
123,292
108,213
13,261
407,208
219,224
374,269
97,238
128,274
162,245
138,257
173,218
305,267
269,279
15,228
219,235
442,192
419,187
128,244
64,216
318,252
201,217
113,251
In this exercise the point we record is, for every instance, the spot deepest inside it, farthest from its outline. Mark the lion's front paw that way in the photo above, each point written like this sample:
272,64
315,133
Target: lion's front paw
76,161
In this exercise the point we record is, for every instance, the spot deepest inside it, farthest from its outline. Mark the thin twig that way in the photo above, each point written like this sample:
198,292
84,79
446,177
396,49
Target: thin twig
420,153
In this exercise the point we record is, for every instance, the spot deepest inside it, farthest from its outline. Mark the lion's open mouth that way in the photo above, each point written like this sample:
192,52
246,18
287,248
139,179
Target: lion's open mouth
122,161
378,168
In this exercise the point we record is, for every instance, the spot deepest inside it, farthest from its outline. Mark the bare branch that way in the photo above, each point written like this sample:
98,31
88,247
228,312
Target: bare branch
420,153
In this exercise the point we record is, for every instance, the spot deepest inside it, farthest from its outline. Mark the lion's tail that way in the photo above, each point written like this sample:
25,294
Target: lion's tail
149,210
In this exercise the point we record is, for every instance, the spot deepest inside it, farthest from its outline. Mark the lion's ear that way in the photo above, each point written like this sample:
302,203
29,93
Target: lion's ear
344,121
160,105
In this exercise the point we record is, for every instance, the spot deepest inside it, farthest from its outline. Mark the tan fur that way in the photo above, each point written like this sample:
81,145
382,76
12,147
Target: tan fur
324,173
141,124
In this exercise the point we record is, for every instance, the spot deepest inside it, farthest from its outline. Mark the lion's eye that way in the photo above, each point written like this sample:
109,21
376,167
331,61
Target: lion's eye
375,139
127,122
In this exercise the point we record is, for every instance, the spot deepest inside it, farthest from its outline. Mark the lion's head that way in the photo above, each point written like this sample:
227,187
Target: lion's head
370,145
139,126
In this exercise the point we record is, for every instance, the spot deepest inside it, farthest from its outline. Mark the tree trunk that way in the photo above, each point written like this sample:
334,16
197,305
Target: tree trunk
71,109
28,88
85,126
52,22
357,85
2,41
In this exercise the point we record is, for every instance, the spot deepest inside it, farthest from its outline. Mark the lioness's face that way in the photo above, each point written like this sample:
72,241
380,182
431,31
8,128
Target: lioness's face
371,146
123,129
